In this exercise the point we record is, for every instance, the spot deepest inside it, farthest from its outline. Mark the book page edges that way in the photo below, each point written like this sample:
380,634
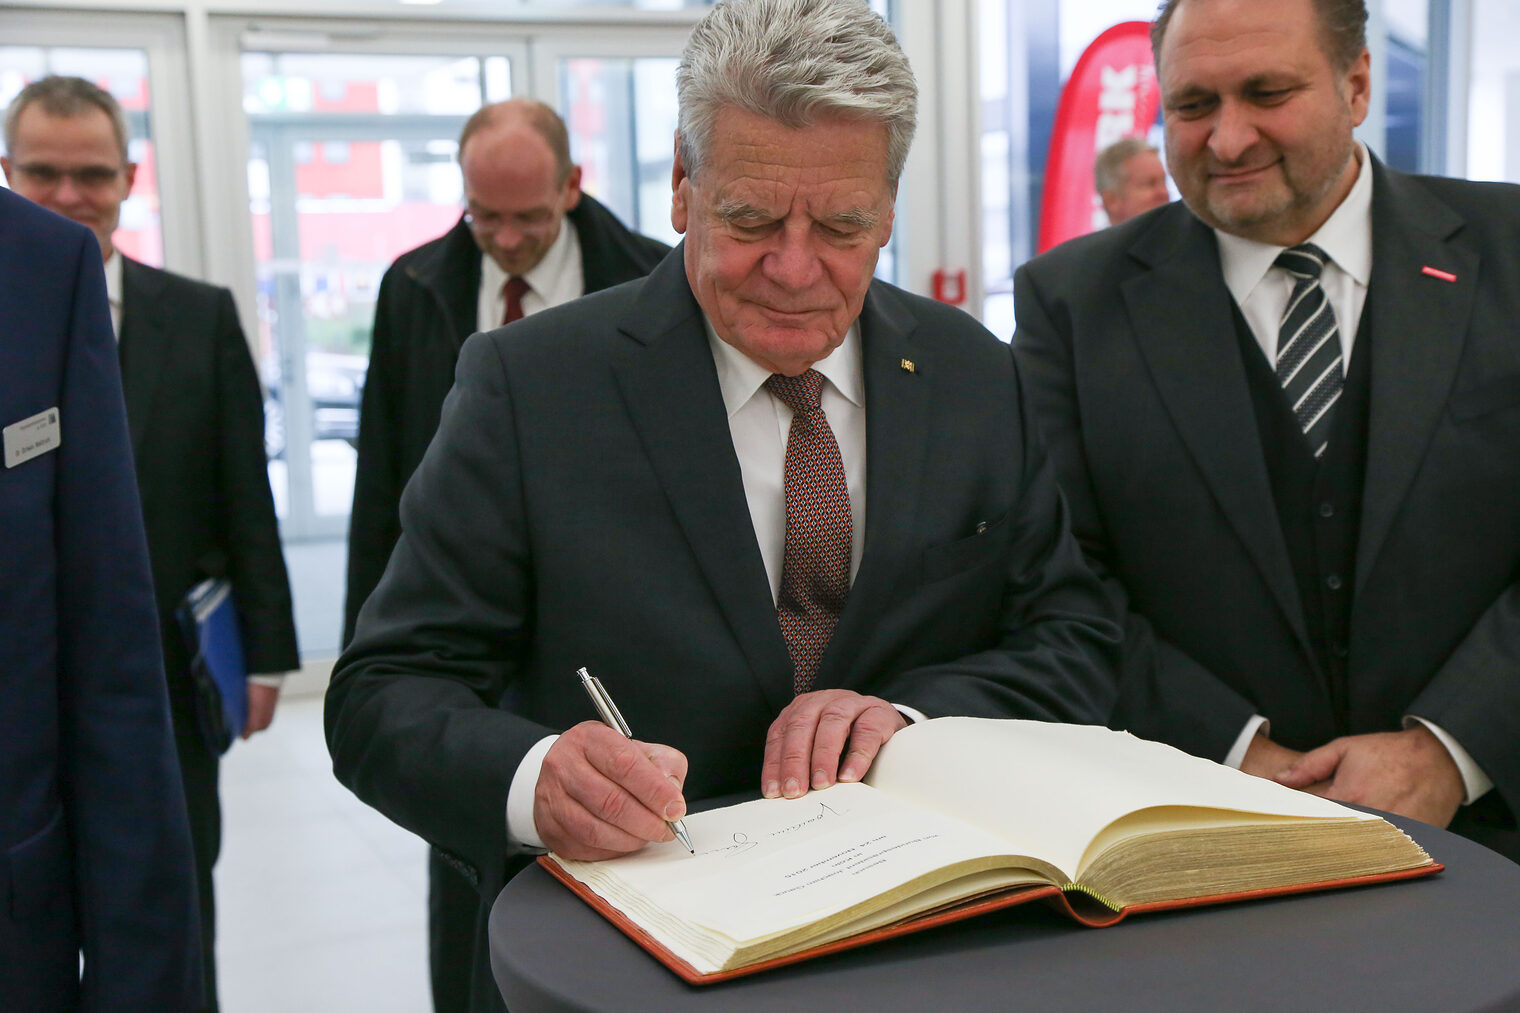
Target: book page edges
1020,895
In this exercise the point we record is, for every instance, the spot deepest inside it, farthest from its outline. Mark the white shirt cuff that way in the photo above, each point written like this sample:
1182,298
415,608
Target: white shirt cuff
274,680
1474,780
521,830
1237,754
913,714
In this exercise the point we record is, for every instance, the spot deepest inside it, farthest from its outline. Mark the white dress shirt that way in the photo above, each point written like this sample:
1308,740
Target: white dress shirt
113,292
759,423
1262,290
557,278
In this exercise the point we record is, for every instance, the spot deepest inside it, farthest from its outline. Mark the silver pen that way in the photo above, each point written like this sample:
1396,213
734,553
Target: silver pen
613,718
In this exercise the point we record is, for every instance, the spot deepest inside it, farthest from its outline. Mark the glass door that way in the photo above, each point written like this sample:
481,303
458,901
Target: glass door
351,163
144,68
617,95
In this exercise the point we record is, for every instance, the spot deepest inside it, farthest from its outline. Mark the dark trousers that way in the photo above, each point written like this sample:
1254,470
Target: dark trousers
198,771
453,915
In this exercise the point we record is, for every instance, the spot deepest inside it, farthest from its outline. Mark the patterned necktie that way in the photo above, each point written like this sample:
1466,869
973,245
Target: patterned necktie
815,574
1309,346
514,290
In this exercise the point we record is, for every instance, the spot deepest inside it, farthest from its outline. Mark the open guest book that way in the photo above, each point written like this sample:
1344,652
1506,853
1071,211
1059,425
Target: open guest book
964,815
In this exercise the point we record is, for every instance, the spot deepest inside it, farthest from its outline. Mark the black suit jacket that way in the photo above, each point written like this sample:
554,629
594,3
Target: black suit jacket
426,308
1128,344
196,414
582,505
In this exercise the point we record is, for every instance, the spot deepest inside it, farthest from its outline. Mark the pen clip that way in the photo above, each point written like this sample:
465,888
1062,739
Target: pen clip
617,715
605,708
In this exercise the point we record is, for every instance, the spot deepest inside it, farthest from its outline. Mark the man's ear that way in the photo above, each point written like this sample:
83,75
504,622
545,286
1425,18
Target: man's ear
1358,82
573,187
680,189
5,167
131,171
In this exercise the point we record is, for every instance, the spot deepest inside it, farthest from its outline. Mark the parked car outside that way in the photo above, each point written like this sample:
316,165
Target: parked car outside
334,386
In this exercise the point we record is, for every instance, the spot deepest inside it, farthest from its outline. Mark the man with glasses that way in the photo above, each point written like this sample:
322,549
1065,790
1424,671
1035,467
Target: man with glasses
196,419
510,255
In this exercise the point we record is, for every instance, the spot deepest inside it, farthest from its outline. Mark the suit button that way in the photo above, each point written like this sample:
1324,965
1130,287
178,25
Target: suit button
1333,582
981,527
1327,509
1339,649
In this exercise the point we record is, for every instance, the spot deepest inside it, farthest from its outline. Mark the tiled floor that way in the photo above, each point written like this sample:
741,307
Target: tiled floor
322,901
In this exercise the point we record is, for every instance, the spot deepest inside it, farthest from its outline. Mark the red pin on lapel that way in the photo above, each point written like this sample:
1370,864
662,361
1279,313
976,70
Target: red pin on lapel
1437,273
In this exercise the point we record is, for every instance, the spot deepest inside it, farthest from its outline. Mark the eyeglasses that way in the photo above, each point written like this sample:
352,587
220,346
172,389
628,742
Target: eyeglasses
88,177
492,221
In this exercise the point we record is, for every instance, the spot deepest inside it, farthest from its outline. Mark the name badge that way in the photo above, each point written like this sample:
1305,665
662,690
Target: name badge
32,437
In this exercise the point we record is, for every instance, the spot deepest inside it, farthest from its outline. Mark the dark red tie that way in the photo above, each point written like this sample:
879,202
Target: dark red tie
815,574
514,290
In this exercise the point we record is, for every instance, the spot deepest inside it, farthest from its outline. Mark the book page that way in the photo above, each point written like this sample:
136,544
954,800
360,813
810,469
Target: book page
1050,789
768,867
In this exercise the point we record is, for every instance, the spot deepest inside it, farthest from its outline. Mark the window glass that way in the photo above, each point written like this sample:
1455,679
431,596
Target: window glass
351,164
1493,125
1028,48
123,73
621,114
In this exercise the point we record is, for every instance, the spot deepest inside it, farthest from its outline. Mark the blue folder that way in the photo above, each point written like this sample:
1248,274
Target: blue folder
209,620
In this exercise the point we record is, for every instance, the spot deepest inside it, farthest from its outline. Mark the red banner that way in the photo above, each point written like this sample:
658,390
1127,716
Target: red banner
1112,94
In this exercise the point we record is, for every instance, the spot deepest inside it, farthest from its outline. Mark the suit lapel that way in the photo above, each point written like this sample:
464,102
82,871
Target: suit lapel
145,344
1175,310
670,386
454,276
1419,325
897,427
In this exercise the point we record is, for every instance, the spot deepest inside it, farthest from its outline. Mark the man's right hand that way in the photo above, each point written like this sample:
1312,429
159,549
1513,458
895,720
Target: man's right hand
1265,758
600,795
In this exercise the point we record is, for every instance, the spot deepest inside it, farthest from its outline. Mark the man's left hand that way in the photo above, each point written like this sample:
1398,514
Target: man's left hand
806,742
1409,773
261,701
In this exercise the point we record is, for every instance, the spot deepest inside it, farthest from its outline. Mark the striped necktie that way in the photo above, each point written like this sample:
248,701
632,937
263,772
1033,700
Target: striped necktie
815,572
1309,347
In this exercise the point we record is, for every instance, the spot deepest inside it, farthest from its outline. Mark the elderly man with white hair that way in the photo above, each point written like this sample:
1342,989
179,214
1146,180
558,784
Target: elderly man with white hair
780,508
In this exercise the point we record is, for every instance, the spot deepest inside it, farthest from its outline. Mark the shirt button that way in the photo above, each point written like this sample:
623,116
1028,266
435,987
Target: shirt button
1333,582
1327,509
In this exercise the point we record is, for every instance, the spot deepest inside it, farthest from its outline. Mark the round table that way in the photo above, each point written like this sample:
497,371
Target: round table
1447,943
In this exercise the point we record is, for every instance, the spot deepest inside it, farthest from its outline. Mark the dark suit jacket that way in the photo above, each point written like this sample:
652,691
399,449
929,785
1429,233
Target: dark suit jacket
1134,369
582,505
426,308
94,847
196,414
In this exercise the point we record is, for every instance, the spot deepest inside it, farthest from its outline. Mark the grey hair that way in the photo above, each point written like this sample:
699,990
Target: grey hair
796,62
1108,167
66,97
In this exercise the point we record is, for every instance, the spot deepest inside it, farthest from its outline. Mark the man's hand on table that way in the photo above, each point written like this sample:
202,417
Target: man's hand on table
806,744
1409,773
600,795
1266,758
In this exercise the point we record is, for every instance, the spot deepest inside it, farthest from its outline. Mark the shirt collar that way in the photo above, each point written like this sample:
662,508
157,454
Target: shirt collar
1346,236
739,376
113,279
541,276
